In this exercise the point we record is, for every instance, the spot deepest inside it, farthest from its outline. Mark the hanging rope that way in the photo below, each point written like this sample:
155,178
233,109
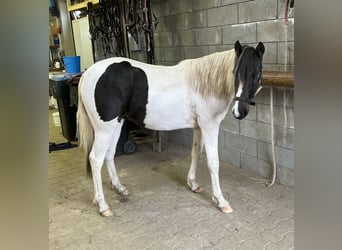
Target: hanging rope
274,175
285,117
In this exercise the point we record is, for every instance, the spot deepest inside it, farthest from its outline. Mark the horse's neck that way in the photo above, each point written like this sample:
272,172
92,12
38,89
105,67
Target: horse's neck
212,75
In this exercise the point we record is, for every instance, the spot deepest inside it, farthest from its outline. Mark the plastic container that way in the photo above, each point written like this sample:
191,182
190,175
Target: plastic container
67,113
72,64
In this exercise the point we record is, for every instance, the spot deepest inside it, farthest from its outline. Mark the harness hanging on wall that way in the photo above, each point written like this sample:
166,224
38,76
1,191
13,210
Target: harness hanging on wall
108,21
105,28
140,20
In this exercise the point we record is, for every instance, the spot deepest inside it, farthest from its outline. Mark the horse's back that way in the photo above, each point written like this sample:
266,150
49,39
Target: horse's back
157,96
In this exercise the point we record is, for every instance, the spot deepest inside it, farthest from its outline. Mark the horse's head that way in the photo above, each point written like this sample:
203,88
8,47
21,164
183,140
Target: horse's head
248,74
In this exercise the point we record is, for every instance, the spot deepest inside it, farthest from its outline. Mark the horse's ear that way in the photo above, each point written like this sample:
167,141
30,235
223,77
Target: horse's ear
238,48
260,49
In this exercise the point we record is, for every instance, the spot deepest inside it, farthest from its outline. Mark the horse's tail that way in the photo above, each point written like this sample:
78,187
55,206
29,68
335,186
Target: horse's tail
86,130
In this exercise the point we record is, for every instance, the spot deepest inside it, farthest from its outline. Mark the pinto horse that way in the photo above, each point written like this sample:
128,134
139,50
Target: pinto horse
198,91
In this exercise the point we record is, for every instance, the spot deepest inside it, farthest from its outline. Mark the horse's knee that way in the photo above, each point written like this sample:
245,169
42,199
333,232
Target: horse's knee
95,162
213,166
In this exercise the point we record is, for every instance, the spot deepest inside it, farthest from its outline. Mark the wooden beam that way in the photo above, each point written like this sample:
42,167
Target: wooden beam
278,79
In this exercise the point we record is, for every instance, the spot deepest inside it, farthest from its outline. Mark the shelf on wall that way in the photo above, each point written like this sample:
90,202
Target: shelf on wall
72,7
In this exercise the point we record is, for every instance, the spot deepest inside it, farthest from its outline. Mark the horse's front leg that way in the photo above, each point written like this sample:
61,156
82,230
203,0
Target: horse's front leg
210,139
195,155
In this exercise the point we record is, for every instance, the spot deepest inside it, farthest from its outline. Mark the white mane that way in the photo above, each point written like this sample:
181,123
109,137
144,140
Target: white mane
212,75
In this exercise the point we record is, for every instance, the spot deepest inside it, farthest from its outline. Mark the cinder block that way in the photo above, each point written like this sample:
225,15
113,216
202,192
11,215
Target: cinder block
285,137
166,24
161,9
275,31
264,151
263,97
278,67
174,54
289,97
159,54
230,124
158,62
225,2
177,7
219,48
245,33
285,176
184,21
241,144
222,15
288,50
162,39
181,136
229,156
184,38
199,19
195,52
284,157
258,166
189,20
222,139
256,130
271,53
264,115
206,4
167,63
258,10
251,114
209,36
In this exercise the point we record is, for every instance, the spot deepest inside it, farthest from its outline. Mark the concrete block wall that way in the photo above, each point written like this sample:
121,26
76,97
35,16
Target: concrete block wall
193,28
247,143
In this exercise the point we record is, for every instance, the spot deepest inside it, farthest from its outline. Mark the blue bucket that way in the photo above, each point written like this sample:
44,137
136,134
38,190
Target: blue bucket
72,64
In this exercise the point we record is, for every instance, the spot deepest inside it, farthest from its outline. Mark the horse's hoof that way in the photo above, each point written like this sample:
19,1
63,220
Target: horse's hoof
198,190
227,209
124,193
106,213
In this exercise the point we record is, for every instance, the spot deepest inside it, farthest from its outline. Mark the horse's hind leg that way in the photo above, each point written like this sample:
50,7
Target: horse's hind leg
101,144
195,155
109,161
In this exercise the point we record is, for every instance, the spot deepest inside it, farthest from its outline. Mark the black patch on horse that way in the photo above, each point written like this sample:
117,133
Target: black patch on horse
121,92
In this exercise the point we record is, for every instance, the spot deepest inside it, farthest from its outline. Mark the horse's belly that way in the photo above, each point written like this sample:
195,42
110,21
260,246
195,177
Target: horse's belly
169,111
168,122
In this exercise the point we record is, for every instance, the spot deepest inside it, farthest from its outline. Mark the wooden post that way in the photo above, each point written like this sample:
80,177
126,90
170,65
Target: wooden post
279,79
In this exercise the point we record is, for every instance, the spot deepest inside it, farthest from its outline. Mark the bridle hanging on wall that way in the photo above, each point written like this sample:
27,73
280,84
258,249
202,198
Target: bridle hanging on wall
139,18
106,24
105,28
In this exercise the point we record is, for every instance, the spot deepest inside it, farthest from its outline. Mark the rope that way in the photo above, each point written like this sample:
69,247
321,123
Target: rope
285,118
274,175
